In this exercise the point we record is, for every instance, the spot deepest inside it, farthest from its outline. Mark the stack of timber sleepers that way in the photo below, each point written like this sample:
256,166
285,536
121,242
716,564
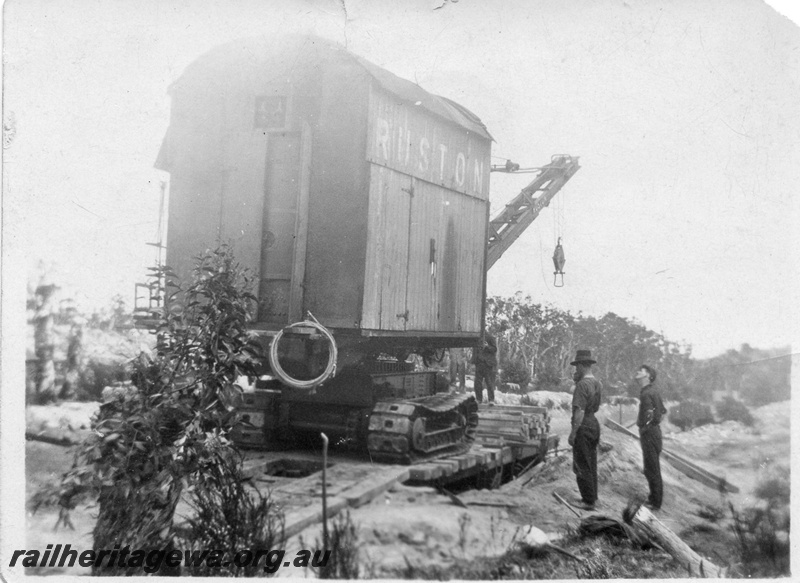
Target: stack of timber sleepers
512,424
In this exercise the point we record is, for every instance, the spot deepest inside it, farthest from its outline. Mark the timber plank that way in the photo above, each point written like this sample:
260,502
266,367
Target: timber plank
492,457
460,460
683,465
499,425
510,415
500,429
490,442
253,467
469,461
364,491
484,455
449,466
699,474
299,520
425,472
527,409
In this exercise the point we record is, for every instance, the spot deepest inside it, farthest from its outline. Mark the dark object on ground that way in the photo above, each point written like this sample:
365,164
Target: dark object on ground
598,525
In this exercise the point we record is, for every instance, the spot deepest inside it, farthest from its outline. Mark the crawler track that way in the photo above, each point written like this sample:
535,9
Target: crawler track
406,431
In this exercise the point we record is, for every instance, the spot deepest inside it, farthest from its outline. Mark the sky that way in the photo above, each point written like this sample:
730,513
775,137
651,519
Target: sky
684,115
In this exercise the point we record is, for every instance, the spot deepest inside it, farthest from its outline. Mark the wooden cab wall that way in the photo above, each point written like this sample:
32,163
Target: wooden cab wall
345,190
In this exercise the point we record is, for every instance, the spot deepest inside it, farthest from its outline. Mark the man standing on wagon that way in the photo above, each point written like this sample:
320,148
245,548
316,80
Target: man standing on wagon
585,434
485,360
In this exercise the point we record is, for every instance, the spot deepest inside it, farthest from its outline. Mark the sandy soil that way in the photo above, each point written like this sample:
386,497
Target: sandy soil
422,527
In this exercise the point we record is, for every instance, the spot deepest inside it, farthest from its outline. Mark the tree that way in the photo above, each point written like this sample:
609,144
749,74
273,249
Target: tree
44,341
545,339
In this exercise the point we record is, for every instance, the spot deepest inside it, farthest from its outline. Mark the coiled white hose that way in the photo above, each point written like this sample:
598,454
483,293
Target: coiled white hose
305,385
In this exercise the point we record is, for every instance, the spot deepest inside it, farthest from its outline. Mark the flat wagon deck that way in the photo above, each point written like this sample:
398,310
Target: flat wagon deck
499,451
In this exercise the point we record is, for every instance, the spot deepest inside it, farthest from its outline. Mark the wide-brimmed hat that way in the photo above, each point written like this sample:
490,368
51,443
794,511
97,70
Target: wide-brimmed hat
583,357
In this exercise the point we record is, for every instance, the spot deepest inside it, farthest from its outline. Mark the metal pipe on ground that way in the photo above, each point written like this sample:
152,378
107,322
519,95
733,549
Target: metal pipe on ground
325,538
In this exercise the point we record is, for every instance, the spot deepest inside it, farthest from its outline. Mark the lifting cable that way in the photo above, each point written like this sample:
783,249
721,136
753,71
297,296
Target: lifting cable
330,369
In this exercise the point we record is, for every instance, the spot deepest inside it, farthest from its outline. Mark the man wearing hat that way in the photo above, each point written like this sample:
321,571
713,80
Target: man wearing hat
585,434
651,409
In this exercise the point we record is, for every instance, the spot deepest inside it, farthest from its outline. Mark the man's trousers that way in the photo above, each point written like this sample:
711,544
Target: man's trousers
584,460
485,375
650,438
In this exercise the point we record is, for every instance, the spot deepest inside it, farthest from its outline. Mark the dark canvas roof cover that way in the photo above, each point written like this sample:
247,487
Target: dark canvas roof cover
294,48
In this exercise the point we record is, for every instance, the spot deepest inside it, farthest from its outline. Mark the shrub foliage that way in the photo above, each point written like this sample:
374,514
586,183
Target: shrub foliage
516,371
762,531
730,409
690,414
171,432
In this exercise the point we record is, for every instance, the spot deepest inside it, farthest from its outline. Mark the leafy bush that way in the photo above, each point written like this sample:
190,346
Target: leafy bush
343,548
762,532
775,488
172,431
229,516
711,512
115,316
517,372
98,375
550,380
730,409
690,414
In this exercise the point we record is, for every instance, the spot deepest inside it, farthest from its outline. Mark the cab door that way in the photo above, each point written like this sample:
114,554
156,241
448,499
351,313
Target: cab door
285,227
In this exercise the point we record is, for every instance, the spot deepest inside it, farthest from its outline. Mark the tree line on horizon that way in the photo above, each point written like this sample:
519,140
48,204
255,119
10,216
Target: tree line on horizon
536,342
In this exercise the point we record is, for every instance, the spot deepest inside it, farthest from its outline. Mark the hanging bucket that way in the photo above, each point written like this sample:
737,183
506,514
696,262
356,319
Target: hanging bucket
558,261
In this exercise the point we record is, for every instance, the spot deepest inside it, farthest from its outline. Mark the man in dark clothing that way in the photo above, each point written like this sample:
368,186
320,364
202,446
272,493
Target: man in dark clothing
651,410
585,434
485,360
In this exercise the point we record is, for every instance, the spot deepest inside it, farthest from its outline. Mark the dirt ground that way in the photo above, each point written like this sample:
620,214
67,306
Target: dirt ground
418,526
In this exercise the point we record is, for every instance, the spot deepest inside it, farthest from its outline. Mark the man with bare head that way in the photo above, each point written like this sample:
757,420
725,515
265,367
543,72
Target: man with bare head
585,434
651,409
